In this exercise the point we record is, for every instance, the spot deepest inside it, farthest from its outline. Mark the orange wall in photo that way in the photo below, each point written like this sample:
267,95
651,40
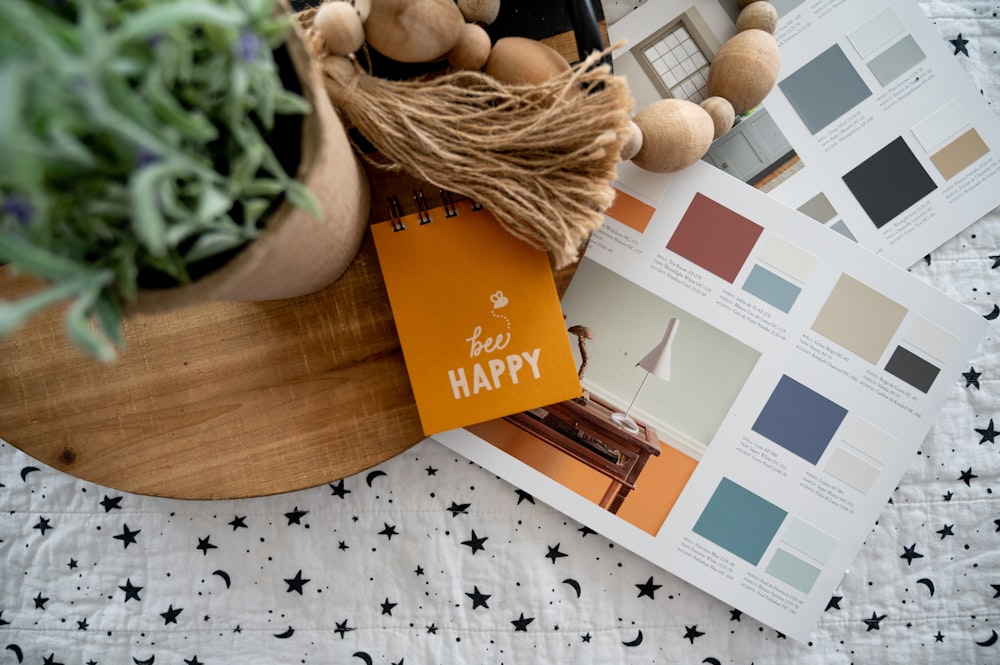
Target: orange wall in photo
646,507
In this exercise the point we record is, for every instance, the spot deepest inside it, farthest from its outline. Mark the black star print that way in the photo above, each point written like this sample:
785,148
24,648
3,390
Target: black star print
939,637
586,531
996,590
110,504
910,553
339,491
967,477
295,517
342,546
387,607
987,434
3,622
457,509
554,553
996,261
524,496
205,546
947,496
873,623
193,661
40,602
342,628
239,522
431,471
736,615
692,633
432,629
43,525
959,45
50,660
419,571
648,589
389,531
131,592
972,377
82,624
585,638
997,522
296,583
170,616
475,543
127,536
478,599
834,603
946,531
72,564
521,623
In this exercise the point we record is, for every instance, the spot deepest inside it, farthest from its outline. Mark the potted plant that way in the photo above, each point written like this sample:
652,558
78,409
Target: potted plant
157,153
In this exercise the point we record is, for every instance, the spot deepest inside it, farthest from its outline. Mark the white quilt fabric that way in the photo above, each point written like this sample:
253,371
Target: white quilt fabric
429,559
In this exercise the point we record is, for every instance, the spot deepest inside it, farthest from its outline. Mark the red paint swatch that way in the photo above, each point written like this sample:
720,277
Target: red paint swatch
714,237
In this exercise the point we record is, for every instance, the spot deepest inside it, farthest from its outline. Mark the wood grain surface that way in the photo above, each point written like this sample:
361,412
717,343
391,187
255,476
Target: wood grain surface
224,400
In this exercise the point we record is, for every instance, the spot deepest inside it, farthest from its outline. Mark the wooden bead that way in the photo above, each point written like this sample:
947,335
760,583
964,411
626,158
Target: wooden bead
633,143
675,134
479,11
472,50
745,69
363,8
414,30
341,27
722,114
523,61
759,15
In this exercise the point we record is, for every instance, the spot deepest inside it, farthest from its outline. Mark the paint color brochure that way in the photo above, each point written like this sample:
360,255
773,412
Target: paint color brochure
756,386
873,128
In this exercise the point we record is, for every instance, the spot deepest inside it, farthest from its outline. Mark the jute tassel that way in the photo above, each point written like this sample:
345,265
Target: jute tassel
541,158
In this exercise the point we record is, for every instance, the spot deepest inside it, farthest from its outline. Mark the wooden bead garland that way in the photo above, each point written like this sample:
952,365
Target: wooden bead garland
742,74
666,136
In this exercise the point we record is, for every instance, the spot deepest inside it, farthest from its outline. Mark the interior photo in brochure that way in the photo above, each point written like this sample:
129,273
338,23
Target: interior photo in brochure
755,387
873,129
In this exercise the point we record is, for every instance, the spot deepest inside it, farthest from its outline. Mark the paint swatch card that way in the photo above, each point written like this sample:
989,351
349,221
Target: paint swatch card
756,388
872,129
477,314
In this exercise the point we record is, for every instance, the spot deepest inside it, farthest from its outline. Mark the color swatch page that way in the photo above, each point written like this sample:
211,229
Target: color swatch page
873,129
792,373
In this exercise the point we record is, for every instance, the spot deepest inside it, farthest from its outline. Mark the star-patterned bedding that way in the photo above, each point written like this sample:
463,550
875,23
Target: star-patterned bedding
429,559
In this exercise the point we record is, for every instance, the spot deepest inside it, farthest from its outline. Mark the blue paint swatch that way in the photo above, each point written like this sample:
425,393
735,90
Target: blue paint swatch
824,89
799,419
771,288
739,521
793,571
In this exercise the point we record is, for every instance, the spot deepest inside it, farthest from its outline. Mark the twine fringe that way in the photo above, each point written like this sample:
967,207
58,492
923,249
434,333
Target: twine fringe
541,158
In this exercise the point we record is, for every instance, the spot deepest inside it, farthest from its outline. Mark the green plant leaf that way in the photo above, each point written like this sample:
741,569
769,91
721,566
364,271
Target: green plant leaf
80,330
159,18
300,196
213,243
108,315
148,222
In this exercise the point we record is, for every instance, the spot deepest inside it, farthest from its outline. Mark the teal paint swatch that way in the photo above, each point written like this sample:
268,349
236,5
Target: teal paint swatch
739,521
793,571
771,288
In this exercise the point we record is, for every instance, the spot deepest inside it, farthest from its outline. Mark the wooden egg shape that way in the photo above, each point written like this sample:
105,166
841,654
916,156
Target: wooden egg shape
745,69
523,61
472,50
759,15
722,114
414,30
341,27
479,11
675,133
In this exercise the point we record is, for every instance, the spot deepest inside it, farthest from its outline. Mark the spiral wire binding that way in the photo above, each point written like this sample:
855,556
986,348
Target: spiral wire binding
423,213
395,214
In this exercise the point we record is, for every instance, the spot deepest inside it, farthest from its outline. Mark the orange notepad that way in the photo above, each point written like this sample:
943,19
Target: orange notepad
477,315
